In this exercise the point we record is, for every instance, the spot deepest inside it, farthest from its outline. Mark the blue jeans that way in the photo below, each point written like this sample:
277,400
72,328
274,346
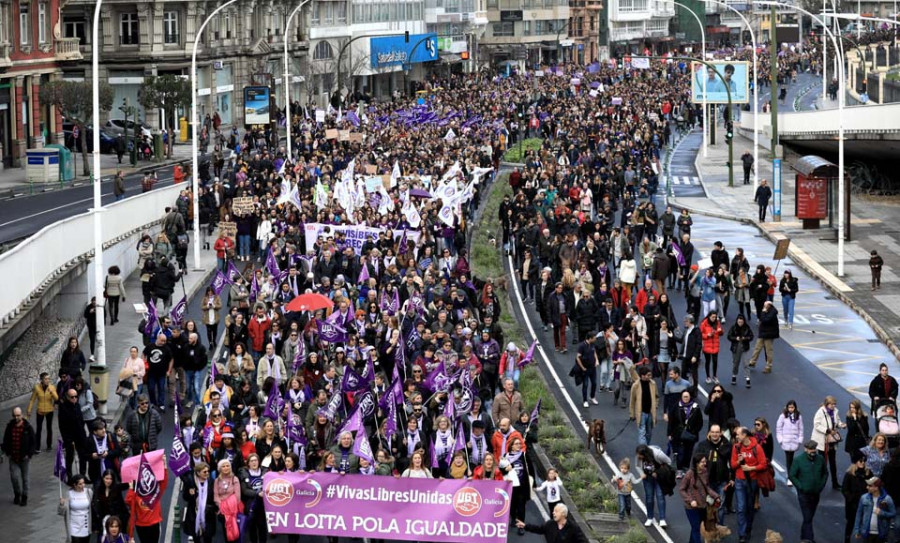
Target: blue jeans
645,429
653,494
624,505
514,375
194,382
605,373
720,513
744,491
244,244
787,304
221,264
156,387
589,376
695,516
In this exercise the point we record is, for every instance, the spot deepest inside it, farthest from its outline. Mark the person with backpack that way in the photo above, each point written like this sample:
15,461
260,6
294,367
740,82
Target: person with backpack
696,493
658,478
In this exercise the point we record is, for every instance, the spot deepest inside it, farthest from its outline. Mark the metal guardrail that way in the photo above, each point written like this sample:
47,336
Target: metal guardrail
41,258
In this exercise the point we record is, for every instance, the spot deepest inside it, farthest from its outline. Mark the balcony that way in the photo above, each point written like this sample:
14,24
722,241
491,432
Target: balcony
594,5
68,48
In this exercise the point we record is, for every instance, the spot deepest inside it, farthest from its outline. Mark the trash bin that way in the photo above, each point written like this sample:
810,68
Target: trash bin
42,166
184,130
100,384
66,162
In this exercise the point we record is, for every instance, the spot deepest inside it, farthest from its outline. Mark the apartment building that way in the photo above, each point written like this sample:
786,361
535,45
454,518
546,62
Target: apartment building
31,53
242,45
586,30
527,32
459,25
638,26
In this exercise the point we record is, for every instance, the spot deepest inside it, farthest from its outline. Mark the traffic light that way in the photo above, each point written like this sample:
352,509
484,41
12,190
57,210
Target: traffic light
729,131
464,55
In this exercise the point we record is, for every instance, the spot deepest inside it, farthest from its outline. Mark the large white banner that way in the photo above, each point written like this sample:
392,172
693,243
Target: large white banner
356,235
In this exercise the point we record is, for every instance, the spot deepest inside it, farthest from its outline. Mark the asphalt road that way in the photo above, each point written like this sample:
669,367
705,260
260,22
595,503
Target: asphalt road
22,216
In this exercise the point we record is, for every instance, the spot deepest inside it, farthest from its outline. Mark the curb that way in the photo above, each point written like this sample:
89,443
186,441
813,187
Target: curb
880,332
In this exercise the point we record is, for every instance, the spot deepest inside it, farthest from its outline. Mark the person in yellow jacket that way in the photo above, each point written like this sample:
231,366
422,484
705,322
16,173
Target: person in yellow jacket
44,394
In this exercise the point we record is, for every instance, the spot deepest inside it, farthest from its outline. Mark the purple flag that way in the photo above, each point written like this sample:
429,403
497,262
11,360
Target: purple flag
331,332
294,431
460,443
535,413
207,437
218,283
679,256
254,288
361,446
529,355
59,469
434,459
467,397
353,381
437,380
300,357
274,404
147,486
352,424
179,460
331,407
152,318
390,425
272,264
391,305
232,273
364,408
402,248
364,275
178,311
353,118
450,408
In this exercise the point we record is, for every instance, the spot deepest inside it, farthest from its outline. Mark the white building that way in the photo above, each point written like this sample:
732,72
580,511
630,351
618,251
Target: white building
635,25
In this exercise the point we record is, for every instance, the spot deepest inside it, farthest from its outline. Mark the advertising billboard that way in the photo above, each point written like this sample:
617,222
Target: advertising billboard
396,51
256,105
736,74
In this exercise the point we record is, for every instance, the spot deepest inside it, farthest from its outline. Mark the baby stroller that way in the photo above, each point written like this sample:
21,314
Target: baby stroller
886,422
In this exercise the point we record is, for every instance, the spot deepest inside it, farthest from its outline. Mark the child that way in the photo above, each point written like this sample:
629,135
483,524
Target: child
624,482
124,440
553,486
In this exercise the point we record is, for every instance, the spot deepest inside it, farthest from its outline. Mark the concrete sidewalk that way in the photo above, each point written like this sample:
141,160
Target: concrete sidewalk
39,520
14,178
872,224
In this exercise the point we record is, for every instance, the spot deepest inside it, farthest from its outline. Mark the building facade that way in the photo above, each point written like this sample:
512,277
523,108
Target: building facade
638,26
242,46
525,32
32,52
585,30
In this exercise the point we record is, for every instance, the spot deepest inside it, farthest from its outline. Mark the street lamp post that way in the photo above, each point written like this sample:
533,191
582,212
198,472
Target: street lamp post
702,56
284,79
100,348
755,91
841,98
195,145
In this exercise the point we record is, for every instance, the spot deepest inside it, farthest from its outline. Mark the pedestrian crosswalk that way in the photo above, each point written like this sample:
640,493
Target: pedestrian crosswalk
685,180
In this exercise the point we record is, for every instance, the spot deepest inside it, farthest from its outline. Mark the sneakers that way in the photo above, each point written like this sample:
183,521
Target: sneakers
789,483
748,382
586,404
716,380
649,522
709,380
752,363
594,401
663,524
767,369
733,380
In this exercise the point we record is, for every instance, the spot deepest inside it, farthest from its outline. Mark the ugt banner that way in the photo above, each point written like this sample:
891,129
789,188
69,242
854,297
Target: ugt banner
387,508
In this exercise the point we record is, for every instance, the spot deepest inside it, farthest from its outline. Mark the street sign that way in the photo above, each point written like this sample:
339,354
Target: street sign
776,188
781,247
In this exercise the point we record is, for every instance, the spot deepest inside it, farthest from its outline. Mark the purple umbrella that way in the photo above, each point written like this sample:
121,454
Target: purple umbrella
421,193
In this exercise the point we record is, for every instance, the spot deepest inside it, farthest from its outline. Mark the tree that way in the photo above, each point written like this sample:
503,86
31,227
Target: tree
75,101
169,93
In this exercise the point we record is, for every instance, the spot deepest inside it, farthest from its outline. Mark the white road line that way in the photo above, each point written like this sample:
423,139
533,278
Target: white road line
609,461
675,180
39,213
696,180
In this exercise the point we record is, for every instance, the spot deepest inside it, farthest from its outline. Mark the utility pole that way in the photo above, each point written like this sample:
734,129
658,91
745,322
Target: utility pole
773,75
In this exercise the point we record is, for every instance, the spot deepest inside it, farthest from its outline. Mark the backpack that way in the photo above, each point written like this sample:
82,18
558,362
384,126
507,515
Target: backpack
665,477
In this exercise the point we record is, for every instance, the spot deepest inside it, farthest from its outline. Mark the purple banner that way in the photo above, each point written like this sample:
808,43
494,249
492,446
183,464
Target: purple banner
456,511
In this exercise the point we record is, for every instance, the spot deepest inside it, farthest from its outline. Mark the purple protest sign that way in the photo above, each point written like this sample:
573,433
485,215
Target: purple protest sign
147,487
331,332
455,511
218,283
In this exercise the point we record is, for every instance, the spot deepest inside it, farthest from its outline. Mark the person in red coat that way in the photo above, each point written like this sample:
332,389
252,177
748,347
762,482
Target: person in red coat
258,328
146,520
710,332
488,469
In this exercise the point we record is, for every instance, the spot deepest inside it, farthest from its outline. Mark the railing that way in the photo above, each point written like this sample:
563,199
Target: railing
39,260
857,120
68,48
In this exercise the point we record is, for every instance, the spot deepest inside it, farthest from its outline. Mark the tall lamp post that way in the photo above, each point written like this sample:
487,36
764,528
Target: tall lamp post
284,79
841,98
755,91
702,56
100,350
195,144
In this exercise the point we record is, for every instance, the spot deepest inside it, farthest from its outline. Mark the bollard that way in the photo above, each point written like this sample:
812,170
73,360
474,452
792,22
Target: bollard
176,526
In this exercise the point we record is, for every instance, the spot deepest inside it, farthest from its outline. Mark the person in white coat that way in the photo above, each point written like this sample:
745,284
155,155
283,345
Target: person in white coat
270,364
789,433
263,236
826,426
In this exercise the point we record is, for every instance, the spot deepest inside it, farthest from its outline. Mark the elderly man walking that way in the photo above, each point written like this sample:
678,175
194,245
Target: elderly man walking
808,475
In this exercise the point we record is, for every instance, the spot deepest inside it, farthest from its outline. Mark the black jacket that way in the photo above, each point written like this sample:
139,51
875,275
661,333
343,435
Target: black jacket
586,313
190,509
878,389
195,357
71,423
768,324
164,281
570,533
719,411
743,332
678,422
718,458
113,455
553,305
26,445
694,344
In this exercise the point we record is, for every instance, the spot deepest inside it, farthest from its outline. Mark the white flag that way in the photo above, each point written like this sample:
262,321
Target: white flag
640,63
451,135
395,174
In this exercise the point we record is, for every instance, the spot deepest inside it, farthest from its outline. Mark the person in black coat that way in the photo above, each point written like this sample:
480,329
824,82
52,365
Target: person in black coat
90,320
72,430
72,361
109,459
762,196
684,428
690,353
204,528
740,335
768,333
560,304
759,289
560,529
854,487
720,407
882,387
586,314
163,282
109,499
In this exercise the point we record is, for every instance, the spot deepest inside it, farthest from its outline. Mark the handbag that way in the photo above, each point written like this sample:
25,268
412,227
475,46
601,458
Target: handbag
687,435
105,286
125,388
833,436
766,479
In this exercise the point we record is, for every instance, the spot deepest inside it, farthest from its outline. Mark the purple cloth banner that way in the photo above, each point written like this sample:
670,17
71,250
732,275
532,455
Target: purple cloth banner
178,312
455,511
147,486
218,283
153,319
331,332
59,469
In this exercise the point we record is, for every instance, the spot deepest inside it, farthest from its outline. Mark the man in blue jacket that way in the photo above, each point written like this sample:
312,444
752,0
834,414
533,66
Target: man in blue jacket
874,502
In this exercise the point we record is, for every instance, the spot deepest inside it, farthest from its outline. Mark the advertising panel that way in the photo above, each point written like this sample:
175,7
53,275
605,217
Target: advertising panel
256,105
396,51
736,74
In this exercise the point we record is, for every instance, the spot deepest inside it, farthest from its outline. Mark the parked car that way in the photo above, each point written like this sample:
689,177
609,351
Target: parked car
117,126
107,140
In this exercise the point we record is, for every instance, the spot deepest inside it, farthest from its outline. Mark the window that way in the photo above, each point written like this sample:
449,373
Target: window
128,29
492,4
342,12
75,28
24,23
42,23
503,29
229,25
170,27
323,51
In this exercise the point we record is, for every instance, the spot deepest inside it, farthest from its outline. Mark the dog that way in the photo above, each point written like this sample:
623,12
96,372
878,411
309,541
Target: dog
597,435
